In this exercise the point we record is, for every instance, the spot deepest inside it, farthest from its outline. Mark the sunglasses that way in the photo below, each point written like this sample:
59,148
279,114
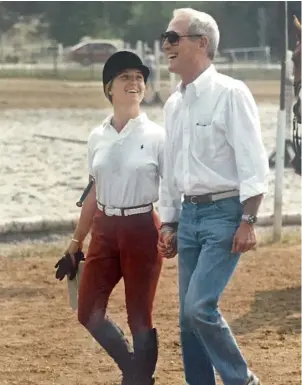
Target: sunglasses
173,37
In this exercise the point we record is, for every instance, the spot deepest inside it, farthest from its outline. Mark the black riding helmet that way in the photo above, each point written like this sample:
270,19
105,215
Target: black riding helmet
119,62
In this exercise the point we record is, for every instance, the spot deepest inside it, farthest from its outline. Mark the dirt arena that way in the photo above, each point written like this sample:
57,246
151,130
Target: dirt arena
42,343
31,93
41,177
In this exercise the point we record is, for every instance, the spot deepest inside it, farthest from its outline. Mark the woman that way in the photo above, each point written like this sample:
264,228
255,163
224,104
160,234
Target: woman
125,161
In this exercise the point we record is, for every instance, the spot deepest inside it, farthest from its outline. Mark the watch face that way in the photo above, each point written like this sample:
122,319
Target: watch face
252,219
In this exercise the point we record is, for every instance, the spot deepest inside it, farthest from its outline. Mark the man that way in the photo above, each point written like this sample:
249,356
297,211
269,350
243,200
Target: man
215,157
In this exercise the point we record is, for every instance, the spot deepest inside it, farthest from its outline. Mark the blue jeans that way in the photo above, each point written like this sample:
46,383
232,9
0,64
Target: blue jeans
205,236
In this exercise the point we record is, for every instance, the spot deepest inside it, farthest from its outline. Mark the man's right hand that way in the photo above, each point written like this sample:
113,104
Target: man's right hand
167,244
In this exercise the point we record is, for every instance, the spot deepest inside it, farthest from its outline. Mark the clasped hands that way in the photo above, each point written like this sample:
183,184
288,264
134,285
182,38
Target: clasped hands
167,243
243,241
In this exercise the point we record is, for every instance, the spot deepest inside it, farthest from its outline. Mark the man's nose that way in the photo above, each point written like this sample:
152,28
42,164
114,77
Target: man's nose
166,45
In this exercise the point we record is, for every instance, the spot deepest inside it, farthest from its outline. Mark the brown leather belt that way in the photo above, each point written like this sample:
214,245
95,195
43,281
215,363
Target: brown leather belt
207,198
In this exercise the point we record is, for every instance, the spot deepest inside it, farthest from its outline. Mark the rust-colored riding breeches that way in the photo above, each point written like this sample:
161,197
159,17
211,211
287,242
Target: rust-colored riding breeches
124,246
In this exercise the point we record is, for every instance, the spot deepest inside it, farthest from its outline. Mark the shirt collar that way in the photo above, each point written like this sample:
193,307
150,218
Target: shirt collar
199,84
132,123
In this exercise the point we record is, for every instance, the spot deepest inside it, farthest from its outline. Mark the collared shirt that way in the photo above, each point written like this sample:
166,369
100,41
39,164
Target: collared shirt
127,166
213,142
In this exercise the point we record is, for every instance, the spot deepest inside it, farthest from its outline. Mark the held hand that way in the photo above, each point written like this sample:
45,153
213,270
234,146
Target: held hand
244,239
167,244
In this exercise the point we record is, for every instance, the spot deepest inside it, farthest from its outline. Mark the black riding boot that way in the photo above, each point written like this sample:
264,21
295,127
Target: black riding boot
112,339
145,346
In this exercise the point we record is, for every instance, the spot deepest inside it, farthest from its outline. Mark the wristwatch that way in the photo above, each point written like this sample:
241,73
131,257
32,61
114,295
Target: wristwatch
250,219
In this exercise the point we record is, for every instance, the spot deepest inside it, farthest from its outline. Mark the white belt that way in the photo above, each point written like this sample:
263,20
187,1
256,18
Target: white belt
120,212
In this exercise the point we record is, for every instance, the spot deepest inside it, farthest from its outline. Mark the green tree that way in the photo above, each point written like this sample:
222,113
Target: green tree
148,19
145,20
115,15
7,18
70,21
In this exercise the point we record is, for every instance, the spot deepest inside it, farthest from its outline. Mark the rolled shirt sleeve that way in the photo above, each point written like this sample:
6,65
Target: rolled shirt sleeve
243,131
161,147
169,196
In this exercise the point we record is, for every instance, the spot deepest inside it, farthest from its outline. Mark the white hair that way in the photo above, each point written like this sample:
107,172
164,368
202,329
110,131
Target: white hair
201,23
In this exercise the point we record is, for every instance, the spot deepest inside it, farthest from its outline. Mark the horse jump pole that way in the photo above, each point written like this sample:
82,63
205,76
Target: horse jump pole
59,138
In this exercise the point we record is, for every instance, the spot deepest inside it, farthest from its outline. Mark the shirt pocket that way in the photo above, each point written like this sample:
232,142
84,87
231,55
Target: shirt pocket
203,145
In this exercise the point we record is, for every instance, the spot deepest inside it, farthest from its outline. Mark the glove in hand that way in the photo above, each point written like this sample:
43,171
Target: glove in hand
68,265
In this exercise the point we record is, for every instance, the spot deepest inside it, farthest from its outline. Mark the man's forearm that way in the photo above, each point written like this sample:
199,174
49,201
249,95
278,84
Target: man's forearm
251,205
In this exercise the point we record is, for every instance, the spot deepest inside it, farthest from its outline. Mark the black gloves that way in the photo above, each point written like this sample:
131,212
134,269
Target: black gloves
68,265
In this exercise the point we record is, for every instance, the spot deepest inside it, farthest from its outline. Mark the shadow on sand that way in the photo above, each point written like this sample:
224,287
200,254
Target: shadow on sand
275,308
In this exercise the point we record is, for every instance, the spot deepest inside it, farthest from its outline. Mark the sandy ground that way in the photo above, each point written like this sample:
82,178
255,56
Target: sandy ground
41,177
30,93
41,341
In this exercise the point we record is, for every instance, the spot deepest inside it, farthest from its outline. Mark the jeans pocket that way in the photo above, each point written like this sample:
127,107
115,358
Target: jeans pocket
229,207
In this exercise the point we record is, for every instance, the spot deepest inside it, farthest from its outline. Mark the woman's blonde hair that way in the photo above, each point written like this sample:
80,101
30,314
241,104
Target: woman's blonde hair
107,89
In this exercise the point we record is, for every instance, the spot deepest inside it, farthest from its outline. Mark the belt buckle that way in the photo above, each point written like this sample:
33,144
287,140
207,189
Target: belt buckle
109,211
193,200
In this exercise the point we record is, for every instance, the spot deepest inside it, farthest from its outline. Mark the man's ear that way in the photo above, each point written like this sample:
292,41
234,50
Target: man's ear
203,42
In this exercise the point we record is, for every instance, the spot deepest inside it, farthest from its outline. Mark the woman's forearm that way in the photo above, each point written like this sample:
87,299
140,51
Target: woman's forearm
86,217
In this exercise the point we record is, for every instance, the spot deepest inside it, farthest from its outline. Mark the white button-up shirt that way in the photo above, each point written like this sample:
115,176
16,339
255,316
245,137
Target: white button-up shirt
127,166
213,142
